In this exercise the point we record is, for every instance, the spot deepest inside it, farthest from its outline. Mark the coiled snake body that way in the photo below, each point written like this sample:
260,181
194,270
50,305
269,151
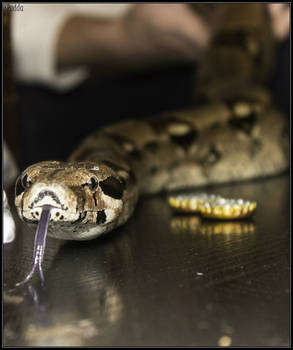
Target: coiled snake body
233,133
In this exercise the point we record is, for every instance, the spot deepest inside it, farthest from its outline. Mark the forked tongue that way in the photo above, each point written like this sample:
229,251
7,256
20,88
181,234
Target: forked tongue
39,247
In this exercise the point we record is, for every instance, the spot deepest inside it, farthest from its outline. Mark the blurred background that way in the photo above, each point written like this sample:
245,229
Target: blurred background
70,68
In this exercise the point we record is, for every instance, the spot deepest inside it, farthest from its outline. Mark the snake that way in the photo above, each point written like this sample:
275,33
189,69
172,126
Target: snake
233,132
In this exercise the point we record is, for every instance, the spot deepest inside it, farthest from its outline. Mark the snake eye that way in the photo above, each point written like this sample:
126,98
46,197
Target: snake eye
25,182
21,184
93,183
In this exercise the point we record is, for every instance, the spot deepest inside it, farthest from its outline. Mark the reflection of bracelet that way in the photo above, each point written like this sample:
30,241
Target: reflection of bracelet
212,206
193,224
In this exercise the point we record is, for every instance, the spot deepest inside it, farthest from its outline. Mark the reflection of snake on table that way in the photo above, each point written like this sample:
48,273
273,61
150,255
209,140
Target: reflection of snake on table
233,133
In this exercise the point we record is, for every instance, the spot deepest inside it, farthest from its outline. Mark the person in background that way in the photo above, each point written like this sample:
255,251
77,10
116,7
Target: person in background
58,44
57,47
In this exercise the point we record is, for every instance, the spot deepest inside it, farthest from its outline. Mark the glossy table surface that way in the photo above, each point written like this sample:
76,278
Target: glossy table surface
160,279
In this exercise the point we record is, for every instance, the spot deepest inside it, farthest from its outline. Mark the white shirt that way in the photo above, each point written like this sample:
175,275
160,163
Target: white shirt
34,33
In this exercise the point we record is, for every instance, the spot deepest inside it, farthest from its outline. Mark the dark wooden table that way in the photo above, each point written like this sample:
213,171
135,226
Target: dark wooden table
160,280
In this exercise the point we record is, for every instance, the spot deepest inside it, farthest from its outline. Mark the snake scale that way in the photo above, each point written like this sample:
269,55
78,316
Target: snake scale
232,133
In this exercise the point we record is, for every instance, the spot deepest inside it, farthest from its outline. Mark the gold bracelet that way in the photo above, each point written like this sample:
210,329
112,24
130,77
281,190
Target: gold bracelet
211,206
189,203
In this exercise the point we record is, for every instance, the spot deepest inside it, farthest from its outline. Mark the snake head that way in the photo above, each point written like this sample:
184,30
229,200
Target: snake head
86,198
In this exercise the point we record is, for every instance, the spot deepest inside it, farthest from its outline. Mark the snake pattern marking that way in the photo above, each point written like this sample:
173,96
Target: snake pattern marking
232,133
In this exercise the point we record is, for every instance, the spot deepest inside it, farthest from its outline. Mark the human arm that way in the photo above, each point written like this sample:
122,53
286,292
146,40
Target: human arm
148,35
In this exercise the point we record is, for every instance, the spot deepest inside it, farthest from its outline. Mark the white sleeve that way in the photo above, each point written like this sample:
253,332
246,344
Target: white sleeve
34,32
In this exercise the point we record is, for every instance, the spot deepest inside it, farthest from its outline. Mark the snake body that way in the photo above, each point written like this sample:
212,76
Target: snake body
232,133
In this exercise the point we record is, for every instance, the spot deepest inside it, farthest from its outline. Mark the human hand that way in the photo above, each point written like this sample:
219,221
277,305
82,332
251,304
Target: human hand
169,26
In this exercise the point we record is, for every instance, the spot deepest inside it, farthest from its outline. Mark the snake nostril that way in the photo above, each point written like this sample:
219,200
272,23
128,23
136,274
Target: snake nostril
37,213
57,213
61,217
